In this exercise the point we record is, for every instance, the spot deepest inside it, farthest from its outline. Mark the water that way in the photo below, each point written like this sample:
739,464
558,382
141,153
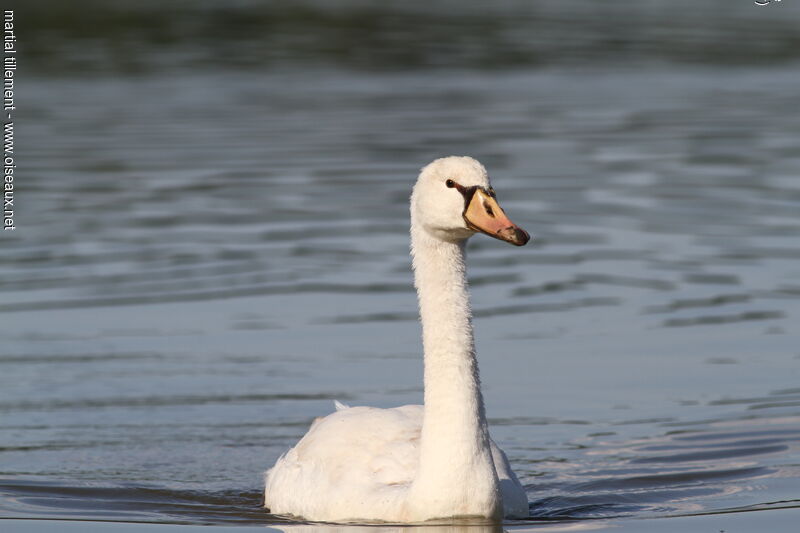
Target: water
207,257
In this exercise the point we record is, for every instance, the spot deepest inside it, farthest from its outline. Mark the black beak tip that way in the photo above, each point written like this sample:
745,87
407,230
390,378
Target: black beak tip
522,237
519,237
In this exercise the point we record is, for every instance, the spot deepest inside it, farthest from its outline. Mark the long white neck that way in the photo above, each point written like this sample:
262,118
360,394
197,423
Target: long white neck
456,468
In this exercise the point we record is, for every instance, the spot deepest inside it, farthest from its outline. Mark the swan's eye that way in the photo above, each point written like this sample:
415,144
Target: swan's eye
450,183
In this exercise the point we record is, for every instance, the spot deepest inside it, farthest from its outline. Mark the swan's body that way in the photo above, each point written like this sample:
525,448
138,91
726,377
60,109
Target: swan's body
417,463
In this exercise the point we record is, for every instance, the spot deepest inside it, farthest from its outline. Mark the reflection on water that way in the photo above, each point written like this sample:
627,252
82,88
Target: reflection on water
211,256
676,473
465,527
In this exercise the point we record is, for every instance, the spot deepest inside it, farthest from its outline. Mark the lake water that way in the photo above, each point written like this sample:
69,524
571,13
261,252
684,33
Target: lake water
207,257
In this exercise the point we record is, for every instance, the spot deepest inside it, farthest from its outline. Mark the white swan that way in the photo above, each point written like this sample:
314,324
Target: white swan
417,463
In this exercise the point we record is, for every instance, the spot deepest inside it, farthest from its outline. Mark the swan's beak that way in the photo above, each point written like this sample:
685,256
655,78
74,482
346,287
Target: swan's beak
484,214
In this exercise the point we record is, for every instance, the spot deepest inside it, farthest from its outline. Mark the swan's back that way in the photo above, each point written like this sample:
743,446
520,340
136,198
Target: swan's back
355,463
358,463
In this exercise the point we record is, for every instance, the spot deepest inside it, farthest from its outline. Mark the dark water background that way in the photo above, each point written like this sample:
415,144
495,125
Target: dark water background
212,246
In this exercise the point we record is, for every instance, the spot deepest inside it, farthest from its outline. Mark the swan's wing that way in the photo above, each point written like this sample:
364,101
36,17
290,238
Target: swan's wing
366,444
350,453
515,501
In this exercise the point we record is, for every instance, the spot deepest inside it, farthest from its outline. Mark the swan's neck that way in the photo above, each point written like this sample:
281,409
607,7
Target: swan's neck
455,457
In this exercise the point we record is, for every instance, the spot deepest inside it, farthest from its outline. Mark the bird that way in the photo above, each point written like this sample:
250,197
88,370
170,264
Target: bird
417,463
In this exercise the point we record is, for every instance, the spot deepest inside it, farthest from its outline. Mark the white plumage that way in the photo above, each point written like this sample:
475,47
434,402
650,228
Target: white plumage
416,463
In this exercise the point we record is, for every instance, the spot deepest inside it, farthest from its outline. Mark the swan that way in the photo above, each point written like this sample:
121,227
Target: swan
417,463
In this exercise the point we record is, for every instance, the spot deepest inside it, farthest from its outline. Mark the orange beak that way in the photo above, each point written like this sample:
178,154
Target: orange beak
484,214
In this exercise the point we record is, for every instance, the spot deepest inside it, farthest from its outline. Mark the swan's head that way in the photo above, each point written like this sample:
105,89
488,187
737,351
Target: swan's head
453,199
